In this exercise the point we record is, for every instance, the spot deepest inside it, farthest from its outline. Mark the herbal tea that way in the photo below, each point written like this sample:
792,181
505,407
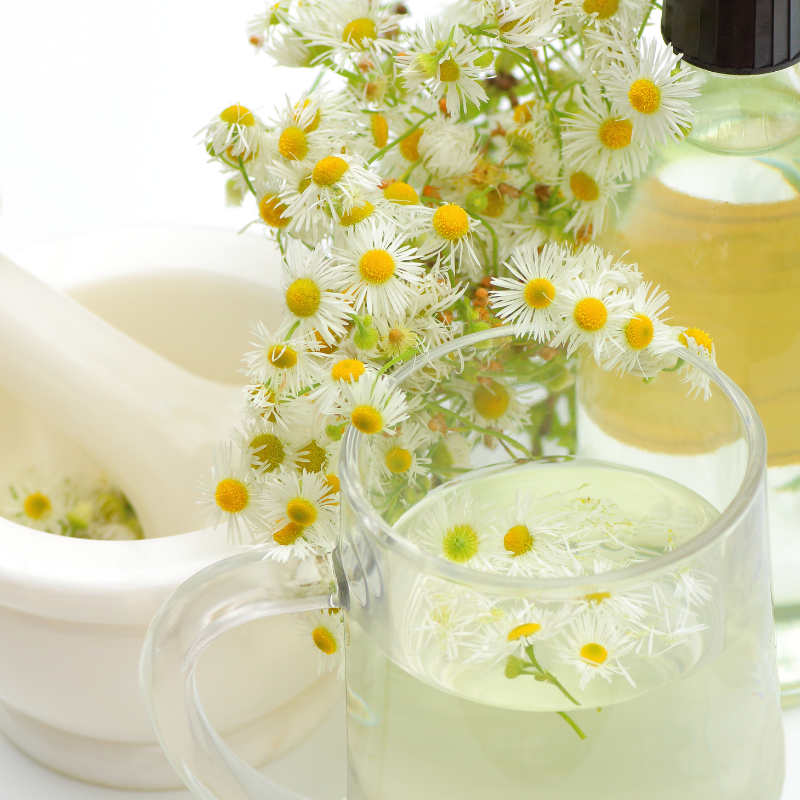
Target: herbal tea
588,692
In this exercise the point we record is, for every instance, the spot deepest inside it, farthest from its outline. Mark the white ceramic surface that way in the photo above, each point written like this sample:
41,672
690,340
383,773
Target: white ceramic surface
73,613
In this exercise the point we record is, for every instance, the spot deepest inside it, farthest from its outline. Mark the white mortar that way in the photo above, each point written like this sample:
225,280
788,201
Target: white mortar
73,613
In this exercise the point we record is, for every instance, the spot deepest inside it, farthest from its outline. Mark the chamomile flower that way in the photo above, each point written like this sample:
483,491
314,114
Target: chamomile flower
593,647
336,184
521,626
458,529
492,403
311,127
235,132
261,28
36,501
588,313
377,270
525,23
589,195
624,609
651,90
285,365
444,61
699,343
527,298
595,135
231,496
450,231
372,405
640,340
326,635
530,543
316,451
606,14
401,455
311,302
447,148
339,370
300,515
269,446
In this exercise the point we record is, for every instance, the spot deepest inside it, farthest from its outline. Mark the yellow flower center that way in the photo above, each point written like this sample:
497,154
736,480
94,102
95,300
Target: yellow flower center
329,170
356,214
644,96
268,450
409,147
287,535
590,314
539,293
293,144
491,401
639,331
523,113
701,337
597,597
401,193
398,460
37,506
523,631
282,357
594,652
460,543
380,130
309,127
271,210
366,419
333,484
312,457
616,133
303,297
518,540
449,71
603,8
376,266
347,370
301,512
358,30
584,186
451,222
237,115
231,496
324,640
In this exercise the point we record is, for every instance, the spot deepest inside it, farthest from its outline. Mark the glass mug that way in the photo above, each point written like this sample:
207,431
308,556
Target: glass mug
642,663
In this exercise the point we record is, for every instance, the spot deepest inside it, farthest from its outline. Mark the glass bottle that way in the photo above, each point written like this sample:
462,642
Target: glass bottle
716,222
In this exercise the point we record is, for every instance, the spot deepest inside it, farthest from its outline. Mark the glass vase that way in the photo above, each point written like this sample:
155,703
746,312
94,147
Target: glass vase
716,222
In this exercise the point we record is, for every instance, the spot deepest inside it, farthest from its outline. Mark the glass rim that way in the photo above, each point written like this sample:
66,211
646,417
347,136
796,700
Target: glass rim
430,564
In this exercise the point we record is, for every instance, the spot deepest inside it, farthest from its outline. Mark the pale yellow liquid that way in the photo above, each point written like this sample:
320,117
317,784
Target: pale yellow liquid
431,729
731,268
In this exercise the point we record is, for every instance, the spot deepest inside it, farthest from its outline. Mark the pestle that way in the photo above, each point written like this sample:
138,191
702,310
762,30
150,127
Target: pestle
151,425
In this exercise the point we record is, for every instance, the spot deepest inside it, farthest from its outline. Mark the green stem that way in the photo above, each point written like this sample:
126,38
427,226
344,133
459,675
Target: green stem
384,150
245,176
538,78
494,241
478,429
646,17
571,722
549,675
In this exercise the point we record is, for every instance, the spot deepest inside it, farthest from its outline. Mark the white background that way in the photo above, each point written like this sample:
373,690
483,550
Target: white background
99,101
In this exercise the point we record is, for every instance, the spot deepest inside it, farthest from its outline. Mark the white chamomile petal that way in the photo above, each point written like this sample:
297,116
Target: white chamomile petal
231,495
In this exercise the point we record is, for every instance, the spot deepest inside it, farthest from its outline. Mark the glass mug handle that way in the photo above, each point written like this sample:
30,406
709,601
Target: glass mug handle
223,596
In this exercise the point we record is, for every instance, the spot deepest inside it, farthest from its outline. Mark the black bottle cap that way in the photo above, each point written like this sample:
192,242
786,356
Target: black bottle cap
736,37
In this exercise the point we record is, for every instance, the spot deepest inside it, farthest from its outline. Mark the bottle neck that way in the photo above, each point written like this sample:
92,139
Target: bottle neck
746,114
